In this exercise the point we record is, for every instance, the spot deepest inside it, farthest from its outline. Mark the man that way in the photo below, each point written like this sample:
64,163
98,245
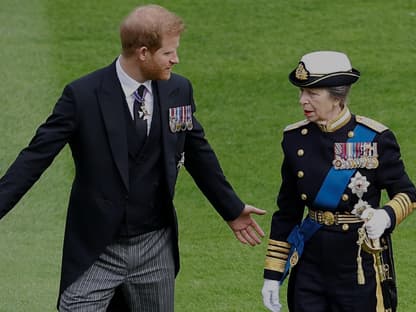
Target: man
130,127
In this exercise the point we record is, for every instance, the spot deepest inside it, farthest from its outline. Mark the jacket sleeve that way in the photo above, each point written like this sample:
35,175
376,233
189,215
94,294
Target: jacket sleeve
202,163
33,160
392,177
289,213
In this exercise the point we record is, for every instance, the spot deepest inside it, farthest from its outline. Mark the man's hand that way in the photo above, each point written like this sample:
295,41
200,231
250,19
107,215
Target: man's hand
246,228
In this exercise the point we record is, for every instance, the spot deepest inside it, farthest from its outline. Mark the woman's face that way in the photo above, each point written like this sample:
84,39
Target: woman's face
318,106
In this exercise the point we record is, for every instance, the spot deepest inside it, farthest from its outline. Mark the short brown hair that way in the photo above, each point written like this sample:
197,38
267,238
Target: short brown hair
146,25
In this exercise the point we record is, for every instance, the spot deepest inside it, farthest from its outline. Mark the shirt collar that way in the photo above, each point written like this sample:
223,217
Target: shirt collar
128,84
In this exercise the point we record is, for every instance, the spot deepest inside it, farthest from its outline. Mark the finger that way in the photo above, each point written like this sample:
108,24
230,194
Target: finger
371,222
240,237
370,229
374,236
373,233
255,210
369,232
275,302
248,238
253,234
266,301
259,211
257,228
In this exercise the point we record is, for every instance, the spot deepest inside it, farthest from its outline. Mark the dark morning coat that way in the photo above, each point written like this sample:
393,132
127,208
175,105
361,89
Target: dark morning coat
90,117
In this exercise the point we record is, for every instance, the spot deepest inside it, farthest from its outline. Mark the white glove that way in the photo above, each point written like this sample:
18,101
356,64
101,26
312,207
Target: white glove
270,294
377,221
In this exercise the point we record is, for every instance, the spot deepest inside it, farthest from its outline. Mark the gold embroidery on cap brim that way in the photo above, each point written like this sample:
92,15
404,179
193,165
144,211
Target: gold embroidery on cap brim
301,72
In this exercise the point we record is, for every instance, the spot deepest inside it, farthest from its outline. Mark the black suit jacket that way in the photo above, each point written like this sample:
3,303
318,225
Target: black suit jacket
90,117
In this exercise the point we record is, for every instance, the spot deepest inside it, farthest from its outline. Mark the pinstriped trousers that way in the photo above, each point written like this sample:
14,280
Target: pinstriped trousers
144,268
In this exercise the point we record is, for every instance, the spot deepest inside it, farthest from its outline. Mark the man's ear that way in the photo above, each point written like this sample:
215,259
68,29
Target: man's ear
142,53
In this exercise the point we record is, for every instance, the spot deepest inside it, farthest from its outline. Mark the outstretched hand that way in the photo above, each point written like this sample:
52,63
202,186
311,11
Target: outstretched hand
246,228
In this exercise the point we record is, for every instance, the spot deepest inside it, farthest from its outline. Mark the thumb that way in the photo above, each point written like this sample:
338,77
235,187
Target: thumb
252,209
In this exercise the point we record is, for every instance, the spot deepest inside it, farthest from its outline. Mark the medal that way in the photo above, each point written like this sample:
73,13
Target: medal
355,155
180,118
183,115
172,117
189,124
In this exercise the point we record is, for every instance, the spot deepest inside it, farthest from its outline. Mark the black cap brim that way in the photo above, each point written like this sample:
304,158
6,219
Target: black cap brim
328,80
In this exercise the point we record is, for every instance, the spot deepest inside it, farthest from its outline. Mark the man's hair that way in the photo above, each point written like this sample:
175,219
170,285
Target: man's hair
146,26
341,93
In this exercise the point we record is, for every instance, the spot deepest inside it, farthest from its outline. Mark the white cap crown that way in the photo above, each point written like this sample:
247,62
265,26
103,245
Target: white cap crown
326,62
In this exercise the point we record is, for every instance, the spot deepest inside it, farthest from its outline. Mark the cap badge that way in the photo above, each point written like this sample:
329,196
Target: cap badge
301,72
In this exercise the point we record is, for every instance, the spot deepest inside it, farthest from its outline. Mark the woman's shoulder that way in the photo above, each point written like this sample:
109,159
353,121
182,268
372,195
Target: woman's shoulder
296,125
371,123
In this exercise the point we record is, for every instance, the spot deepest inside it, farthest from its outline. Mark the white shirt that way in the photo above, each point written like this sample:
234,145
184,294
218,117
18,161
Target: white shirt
129,86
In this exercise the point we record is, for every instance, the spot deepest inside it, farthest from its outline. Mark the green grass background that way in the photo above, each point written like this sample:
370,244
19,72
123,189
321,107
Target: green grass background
238,54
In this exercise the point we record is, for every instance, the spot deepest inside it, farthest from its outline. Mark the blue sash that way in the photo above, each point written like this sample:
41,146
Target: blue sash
328,197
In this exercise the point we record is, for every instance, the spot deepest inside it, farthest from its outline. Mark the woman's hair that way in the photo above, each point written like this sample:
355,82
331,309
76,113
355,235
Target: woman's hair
340,93
146,26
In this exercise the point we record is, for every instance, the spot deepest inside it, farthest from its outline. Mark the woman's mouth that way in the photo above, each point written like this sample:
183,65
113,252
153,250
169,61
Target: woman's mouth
307,112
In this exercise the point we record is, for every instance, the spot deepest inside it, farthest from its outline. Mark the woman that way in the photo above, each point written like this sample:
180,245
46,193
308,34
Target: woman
336,165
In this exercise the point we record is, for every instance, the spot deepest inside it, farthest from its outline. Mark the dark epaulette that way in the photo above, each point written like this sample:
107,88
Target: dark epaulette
370,123
296,125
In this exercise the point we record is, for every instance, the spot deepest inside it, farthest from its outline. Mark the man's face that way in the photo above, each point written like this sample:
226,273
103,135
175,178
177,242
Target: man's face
158,65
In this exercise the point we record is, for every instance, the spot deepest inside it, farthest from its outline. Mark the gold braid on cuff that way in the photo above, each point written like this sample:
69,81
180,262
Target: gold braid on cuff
402,206
276,256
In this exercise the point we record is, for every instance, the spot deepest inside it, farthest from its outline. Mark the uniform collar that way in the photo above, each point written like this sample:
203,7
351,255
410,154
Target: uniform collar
341,120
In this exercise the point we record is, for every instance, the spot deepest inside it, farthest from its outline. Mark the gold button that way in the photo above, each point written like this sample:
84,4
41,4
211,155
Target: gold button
350,134
301,152
345,197
304,131
300,174
345,227
294,259
304,197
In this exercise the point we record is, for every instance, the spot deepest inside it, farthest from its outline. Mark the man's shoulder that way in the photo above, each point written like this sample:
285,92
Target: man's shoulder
176,83
95,76
176,79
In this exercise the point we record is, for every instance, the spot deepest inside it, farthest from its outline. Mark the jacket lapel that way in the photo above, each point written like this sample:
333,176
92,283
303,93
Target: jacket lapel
111,98
166,93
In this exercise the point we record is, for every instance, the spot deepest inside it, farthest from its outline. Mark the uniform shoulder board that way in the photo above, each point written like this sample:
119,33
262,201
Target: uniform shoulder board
296,125
370,123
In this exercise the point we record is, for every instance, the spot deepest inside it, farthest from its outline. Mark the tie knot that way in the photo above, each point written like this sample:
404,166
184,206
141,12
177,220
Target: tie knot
139,94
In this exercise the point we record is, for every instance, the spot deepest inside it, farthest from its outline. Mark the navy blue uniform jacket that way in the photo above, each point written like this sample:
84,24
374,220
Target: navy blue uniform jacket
308,156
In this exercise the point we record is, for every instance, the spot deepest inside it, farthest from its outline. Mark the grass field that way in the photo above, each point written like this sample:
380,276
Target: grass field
238,54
